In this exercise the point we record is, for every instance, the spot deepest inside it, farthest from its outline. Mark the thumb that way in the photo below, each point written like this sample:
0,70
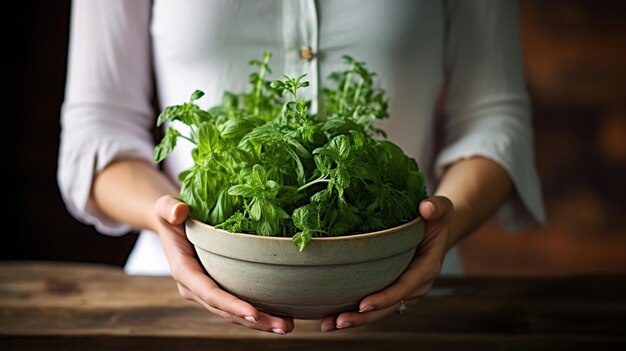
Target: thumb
171,209
435,208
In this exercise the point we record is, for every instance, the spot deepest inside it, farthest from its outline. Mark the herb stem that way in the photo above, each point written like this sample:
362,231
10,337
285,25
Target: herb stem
346,86
321,231
227,167
189,139
258,87
356,112
357,92
318,180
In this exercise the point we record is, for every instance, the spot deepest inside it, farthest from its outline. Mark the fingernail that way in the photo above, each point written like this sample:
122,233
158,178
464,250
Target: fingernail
366,309
173,213
432,206
327,329
344,325
278,331
250,319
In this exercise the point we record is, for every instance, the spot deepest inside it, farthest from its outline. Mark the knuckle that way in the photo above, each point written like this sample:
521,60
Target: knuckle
232,304
427,288
183,292
206,296
403,288
177,272
420,293
434,272
209,296
229,318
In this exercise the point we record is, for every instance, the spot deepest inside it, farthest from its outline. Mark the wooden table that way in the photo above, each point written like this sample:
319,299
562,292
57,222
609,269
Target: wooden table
70,306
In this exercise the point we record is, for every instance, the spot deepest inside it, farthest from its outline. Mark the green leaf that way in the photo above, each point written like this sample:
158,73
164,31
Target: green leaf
235,128
361,171
325,151
301,176
169,114
281,214
208,138
223,209
341,145
196,95
272,188
193,193
265,228
255,210
237,223
259,175
321,196
242,190
278,85
302,239
349,218
167,145
200,116
301,217
342,178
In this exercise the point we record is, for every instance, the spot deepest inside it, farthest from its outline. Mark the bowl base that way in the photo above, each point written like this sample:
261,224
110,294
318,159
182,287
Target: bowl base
304,312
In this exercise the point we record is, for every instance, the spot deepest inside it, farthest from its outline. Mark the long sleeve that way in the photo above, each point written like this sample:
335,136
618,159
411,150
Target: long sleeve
107,112
487,108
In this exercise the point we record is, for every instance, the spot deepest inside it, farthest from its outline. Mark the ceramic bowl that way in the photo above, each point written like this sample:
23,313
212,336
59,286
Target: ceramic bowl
331,275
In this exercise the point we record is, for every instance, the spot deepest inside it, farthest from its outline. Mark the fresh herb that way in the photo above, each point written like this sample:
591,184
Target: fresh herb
264,164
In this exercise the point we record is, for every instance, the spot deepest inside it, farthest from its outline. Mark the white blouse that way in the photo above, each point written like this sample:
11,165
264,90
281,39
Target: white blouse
120,50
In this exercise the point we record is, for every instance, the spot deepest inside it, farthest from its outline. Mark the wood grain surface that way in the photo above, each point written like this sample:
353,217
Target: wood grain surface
71,306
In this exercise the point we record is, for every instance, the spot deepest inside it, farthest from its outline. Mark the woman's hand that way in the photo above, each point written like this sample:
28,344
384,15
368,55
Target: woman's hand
194,284
416,280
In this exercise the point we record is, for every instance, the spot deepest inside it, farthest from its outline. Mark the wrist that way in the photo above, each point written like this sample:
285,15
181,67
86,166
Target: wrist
459,223
153,221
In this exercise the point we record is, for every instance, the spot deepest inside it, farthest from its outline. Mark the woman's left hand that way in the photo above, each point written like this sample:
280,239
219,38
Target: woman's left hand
416,280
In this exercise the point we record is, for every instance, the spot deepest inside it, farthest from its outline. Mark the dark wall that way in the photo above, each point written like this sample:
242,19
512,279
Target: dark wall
36,38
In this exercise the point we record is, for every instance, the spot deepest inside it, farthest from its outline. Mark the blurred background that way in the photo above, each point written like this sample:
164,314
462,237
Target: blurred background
575,62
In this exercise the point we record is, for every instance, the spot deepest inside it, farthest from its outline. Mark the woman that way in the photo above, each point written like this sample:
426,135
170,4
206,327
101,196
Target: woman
121,50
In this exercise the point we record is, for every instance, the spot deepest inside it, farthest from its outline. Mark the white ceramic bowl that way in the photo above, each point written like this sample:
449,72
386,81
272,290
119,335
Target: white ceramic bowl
330,276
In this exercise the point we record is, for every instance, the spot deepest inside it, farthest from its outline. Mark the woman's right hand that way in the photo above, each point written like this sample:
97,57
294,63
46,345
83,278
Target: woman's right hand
194,284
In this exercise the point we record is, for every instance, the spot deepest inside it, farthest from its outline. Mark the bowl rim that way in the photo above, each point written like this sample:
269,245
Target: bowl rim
382,232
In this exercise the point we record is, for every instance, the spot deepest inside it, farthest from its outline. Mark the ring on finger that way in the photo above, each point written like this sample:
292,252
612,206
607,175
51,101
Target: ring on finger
401,308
